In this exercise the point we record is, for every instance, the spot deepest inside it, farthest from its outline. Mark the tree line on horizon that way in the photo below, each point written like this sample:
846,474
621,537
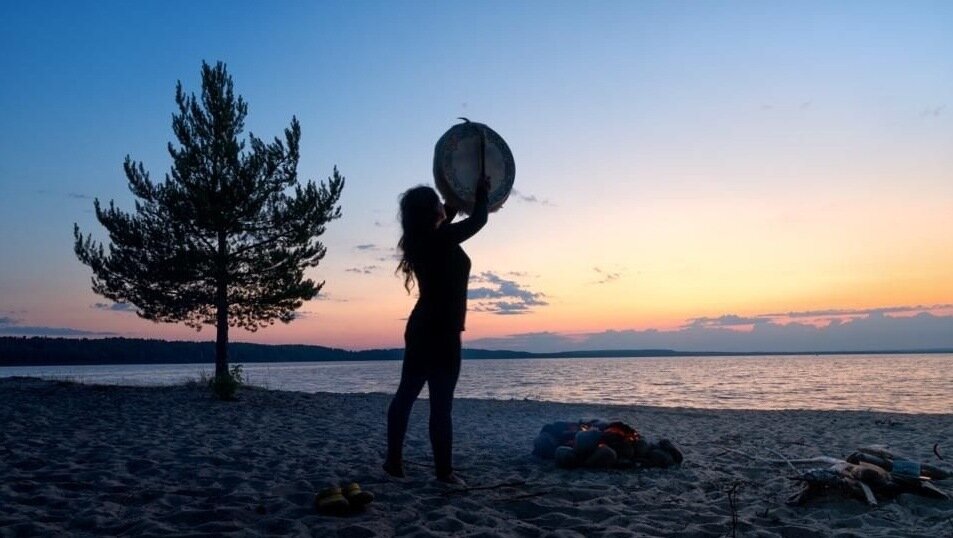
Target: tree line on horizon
48,351
58,351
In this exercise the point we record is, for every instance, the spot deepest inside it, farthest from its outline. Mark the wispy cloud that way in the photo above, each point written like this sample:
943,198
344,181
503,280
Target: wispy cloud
728,320
323,296
529,198
381,253
502,296
818,316
605,276
72,194
12,327
503,308
115,307
26,330
847,312
365,270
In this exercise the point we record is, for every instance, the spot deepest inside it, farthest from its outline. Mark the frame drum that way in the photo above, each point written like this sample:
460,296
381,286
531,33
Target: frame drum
456,165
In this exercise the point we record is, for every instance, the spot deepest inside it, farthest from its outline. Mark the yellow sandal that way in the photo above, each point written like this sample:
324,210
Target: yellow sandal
331,501
355,496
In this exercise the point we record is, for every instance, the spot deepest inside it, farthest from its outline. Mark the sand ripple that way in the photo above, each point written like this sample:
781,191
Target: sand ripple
110,460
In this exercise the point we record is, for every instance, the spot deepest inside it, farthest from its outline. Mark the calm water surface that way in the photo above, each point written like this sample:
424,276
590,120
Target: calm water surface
903,383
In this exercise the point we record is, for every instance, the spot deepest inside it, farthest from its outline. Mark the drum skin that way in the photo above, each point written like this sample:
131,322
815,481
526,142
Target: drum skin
456,165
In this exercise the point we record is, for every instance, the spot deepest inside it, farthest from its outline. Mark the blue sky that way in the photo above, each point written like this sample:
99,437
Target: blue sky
716,157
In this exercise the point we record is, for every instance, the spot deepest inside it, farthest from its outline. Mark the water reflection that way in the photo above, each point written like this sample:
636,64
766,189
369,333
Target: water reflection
913,383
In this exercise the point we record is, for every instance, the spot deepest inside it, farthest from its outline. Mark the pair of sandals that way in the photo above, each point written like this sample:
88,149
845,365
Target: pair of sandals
341,500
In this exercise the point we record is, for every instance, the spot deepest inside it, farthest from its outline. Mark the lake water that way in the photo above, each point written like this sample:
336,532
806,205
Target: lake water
903,383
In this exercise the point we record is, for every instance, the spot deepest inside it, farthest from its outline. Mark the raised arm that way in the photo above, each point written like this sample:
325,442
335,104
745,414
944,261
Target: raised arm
450,211
459,232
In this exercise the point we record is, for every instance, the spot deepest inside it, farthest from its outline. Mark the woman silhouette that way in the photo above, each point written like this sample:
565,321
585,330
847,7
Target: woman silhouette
431,254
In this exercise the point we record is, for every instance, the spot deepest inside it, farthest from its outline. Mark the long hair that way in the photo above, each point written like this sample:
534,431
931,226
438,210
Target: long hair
418,214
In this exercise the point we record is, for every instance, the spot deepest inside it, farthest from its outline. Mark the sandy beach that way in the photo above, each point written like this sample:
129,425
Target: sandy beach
110,460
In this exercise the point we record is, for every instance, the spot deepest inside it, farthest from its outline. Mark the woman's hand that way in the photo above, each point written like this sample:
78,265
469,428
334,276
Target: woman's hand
450,210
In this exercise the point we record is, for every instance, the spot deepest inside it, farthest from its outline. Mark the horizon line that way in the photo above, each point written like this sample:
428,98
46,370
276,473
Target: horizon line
590,353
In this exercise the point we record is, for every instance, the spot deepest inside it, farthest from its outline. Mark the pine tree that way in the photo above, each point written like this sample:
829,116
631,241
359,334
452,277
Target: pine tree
226,238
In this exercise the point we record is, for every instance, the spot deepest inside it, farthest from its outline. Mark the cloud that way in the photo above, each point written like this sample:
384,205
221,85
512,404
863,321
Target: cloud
847,312
932,111
322,296
383,254
728,320
530,198
545,341
504,308
873,331
72,194
502,296
12,327
115,307
606,276
26,330
365,270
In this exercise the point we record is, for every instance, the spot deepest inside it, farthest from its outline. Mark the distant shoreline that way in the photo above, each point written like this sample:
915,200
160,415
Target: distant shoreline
44,351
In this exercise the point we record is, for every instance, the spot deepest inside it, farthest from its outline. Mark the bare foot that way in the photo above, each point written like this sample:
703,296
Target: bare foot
452,479
395,469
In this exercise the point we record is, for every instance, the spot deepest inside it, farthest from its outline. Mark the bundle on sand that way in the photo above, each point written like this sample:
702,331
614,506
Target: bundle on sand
602,444
869,474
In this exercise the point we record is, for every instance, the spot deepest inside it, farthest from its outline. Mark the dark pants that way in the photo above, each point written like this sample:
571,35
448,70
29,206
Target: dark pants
432,358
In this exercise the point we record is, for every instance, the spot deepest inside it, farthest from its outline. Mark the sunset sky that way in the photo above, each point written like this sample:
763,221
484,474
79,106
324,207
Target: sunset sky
730,175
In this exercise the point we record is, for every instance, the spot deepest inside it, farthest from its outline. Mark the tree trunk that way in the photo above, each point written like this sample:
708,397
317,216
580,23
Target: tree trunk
221,305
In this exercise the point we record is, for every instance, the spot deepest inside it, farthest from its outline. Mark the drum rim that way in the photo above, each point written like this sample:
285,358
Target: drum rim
442,163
